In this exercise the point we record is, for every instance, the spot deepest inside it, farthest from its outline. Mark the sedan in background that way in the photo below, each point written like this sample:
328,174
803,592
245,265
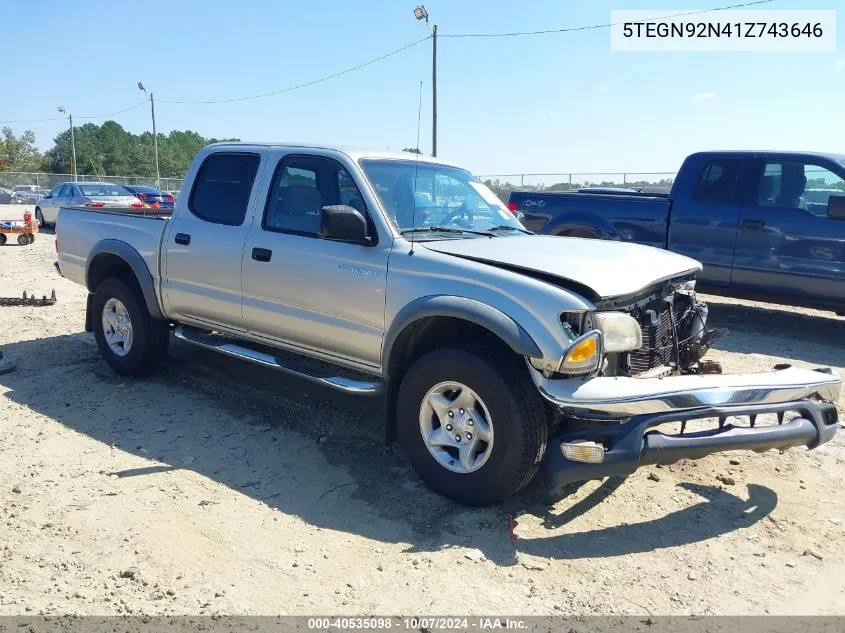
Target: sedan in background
152,197
94,195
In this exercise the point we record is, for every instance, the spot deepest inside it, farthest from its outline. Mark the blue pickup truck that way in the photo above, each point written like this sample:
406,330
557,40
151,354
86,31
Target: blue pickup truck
766,225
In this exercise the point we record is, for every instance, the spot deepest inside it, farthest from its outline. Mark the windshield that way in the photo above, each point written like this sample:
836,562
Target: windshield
103,190
423,195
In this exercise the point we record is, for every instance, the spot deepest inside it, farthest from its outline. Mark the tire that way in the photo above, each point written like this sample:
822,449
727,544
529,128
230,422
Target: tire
23,239
148,338
40,217
516,415
3,239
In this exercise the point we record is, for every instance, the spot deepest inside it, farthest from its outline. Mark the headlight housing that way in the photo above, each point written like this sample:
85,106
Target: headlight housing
620,331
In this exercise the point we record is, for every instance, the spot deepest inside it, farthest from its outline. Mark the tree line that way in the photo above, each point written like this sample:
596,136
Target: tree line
103,150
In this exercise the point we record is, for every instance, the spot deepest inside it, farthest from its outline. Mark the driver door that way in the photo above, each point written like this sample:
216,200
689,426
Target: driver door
305,291
787,243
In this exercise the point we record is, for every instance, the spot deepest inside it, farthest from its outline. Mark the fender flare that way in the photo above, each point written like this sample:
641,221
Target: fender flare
139,268
471,310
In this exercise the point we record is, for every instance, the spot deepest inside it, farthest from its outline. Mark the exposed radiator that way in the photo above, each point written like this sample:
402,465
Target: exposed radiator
657,327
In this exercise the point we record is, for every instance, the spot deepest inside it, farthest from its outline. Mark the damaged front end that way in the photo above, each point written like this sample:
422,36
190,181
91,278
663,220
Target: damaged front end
673,328
648,371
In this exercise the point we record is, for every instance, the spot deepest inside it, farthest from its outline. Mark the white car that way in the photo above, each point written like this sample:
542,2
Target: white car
93,195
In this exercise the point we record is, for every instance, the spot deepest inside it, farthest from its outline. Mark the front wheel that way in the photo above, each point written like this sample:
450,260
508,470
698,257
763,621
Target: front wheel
129,339
472,424
39,217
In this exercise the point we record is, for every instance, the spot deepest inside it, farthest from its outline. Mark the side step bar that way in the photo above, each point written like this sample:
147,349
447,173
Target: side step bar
228,347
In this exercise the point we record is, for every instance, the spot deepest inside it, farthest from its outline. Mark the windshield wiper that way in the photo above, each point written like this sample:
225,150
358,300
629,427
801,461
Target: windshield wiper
444,229
508,227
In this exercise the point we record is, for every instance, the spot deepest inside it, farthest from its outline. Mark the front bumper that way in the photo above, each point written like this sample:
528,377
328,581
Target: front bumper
618,397
620,413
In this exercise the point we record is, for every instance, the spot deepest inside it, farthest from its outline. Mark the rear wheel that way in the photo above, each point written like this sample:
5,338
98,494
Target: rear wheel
472,424
23,239
2,239
129,339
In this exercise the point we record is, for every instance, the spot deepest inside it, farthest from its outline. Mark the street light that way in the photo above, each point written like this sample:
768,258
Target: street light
155,136
420,13
72,143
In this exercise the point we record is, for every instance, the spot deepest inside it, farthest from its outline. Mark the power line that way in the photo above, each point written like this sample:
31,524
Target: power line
390,54
600,26
105,116
88,118
303,85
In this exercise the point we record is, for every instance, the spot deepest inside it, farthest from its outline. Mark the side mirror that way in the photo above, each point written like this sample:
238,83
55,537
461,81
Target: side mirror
836,207
343,223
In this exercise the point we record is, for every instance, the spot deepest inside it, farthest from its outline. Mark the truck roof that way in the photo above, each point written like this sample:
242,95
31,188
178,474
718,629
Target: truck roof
763,153
355,153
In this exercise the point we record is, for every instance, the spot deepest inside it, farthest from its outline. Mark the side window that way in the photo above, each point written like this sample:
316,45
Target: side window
222,188
301,187
717,180
65,191
797,185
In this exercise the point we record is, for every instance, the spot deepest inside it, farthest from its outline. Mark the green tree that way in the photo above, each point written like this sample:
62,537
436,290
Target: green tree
110,150
18,153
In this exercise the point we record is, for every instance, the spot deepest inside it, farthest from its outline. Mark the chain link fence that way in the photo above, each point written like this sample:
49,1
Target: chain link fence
502,184
45,182
647,182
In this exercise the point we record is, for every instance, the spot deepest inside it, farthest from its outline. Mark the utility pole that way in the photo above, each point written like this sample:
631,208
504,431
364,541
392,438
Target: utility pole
434,91
72,143
155,134
422,14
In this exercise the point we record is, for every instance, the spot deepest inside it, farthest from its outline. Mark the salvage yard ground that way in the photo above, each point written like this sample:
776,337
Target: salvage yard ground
219,487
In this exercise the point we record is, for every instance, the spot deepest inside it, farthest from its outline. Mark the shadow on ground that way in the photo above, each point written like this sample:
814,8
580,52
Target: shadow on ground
308,451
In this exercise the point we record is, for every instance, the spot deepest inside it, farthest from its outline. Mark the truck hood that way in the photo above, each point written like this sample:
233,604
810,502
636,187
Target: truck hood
607,268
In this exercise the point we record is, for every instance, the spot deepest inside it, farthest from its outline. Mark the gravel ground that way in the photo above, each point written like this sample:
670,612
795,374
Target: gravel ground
217,487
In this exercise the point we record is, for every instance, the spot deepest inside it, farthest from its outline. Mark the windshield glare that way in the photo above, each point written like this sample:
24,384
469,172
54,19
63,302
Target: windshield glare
426,195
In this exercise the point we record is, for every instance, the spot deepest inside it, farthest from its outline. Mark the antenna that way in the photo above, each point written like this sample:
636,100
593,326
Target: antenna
416,171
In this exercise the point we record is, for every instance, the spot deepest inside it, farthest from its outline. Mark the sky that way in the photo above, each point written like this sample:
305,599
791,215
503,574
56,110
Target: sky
533,104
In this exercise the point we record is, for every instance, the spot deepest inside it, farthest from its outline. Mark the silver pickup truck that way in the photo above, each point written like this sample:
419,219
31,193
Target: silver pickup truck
499,353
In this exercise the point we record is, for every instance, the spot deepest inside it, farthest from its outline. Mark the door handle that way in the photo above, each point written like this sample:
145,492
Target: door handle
753,224
183,238
261,254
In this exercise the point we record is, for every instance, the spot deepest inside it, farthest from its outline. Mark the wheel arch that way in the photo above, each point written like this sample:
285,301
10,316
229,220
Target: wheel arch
445,320
113,258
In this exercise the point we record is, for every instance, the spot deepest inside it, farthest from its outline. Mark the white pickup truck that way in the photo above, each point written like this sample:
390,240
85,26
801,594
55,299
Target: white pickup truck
499,353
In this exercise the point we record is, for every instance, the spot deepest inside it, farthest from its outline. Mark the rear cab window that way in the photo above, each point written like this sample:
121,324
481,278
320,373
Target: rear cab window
223,187
717,181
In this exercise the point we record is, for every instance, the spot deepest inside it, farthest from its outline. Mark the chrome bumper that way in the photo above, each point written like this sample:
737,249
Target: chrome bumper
615,397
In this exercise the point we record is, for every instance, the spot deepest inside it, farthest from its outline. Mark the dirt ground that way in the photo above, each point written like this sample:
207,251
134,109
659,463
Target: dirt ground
219,487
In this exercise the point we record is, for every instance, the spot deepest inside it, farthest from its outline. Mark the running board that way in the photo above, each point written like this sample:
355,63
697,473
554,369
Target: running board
223,345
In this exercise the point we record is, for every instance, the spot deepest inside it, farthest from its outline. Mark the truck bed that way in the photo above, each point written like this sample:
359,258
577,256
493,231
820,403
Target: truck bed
630,216
78,229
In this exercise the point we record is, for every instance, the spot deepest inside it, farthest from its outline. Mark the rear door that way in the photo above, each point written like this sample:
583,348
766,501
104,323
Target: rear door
203,245
787,243
300,289
705,216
